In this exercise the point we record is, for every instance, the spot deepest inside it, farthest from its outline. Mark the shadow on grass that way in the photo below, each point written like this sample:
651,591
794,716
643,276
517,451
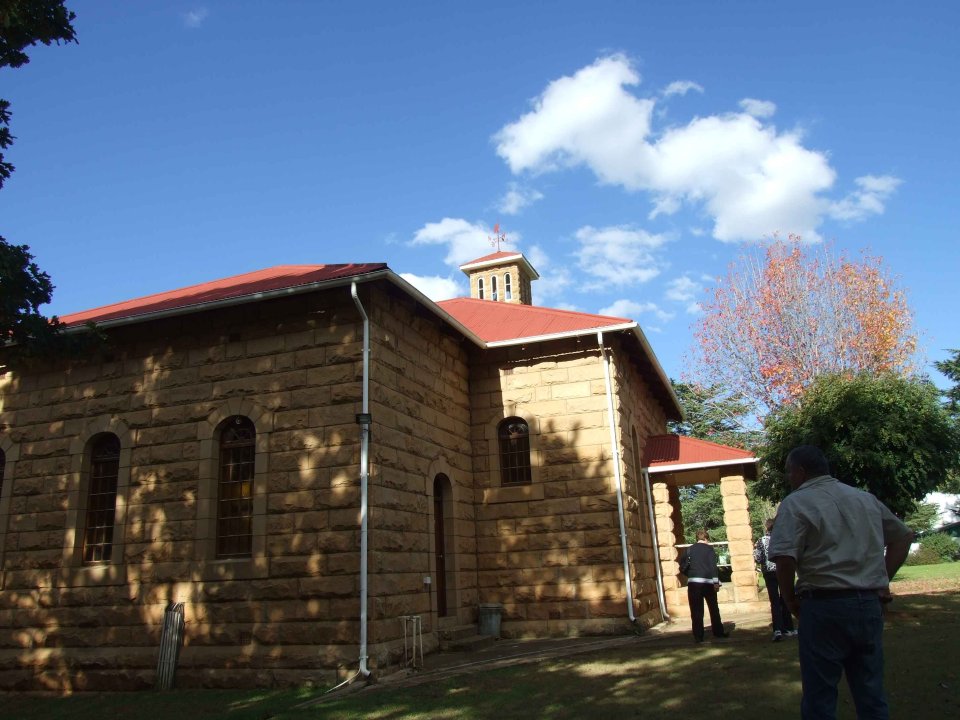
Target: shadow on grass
746,677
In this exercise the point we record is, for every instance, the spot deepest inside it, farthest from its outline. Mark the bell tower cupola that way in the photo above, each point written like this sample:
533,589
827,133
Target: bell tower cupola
504,276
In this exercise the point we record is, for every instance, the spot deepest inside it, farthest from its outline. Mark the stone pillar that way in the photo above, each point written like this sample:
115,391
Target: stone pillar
667,512
736,516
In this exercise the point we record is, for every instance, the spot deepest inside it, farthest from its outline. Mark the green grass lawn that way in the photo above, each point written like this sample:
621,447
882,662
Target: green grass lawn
746,677
924,572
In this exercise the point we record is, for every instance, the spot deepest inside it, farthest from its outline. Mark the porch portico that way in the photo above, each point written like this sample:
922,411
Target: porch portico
675,461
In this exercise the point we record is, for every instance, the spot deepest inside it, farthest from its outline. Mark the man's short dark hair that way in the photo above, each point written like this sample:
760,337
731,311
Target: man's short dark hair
702,534
811,459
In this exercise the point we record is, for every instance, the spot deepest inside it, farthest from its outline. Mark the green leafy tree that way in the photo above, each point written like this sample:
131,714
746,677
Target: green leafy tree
886,434
702,507
951,368
923,517
711,414
23,24
23,286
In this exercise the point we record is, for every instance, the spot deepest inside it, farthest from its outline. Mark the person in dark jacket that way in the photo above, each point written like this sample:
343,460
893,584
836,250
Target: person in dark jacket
703,581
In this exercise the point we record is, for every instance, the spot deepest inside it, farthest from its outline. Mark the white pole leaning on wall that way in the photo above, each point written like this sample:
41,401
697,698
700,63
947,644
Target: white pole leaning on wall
656,546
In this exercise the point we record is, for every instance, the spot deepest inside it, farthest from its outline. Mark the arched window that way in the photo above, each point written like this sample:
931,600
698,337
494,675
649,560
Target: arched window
235,488
101,499
507,287
514,436
493,288
480,288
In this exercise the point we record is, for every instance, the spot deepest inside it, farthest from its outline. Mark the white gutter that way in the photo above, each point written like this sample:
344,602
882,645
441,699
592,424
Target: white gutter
656,546
614,445
560,335
698,465
364,422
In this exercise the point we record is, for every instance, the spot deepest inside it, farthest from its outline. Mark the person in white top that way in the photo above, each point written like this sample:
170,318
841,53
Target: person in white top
844,546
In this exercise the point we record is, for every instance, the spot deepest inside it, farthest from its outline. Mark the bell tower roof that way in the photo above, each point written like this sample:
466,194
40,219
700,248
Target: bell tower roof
503,257
502,277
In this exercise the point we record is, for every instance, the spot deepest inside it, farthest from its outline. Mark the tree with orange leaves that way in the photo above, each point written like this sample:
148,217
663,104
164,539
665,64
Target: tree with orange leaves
788,313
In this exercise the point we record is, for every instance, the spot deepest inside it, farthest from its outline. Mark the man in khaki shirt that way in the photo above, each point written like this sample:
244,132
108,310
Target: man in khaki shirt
844,545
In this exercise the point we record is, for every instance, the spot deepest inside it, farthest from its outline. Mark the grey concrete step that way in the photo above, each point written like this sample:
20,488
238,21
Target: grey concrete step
469,643
456,632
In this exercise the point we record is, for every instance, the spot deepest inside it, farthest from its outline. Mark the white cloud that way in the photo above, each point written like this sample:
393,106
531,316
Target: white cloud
465,241
554,284
538,258
631,309
682,87
685,290
195,18
517,198
682,289
435,287
758,108
751,178
618,255
867,200
585,119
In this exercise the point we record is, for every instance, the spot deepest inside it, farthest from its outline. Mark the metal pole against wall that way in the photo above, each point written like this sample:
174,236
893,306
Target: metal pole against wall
171,640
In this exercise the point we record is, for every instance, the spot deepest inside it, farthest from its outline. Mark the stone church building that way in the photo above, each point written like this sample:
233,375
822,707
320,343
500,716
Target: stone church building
304,455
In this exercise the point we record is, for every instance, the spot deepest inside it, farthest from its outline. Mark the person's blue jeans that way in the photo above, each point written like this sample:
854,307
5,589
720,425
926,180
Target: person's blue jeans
779,614
842,634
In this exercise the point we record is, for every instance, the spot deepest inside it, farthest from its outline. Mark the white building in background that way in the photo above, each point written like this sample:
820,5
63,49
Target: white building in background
947,506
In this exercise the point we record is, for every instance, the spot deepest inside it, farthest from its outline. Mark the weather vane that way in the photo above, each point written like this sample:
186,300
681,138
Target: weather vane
498,237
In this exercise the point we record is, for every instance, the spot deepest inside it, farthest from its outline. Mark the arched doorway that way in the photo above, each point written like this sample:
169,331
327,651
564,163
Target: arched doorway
443,542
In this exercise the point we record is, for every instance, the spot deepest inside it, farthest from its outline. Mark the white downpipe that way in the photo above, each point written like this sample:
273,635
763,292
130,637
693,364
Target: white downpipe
616,471
656,546
364,476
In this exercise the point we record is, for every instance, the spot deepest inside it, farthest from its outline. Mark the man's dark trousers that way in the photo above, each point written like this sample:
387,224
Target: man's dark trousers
842,635
697,593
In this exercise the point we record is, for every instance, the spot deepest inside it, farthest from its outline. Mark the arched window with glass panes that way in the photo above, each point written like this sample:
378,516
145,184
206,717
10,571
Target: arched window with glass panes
235,488
507,287
480,288
493,288
101,499
514,441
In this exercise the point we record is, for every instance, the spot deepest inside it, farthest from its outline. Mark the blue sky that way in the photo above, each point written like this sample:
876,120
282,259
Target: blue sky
628,148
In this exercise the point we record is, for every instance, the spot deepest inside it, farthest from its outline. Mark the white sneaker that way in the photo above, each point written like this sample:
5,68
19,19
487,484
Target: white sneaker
777,636
790,633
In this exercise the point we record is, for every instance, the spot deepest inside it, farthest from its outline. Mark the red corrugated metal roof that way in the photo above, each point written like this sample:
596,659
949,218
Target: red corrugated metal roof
665,450
236,286
497,322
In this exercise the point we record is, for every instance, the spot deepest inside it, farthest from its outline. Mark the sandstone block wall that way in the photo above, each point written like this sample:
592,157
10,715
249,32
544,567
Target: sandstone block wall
291,611
639,416
550,551
420,405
